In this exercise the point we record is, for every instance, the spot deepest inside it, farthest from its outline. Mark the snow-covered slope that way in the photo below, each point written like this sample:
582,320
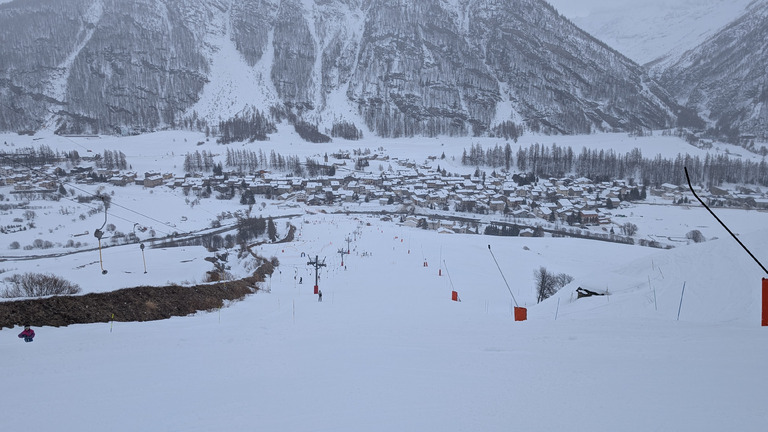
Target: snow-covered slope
651,31
388,350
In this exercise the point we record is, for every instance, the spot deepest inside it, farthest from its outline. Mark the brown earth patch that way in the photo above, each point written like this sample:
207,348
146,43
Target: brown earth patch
142,303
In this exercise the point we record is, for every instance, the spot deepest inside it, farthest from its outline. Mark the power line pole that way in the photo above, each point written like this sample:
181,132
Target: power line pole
317,264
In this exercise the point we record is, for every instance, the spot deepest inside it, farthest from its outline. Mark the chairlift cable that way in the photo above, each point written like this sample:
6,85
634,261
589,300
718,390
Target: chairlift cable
690,186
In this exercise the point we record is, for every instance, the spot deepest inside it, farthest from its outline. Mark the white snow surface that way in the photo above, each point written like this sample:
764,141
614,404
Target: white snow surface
237,86
387,349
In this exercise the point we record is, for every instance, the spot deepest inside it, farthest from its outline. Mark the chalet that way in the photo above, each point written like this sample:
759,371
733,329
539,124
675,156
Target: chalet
668,187
509,188
526,232
17,178
316,200
575,191
313,187
515,202
354,186
497,206
152,180
522,214
47,185
260,187
300,196
564,204
370,191
434,183
122,179
23,186
345,195
714,190
282,187
411,221
589,217
544,212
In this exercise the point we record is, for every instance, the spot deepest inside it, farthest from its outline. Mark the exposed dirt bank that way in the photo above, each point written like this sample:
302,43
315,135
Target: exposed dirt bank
128,304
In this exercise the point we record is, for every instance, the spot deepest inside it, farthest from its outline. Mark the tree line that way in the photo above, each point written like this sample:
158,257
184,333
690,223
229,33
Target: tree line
247,128
112,160
602,165
30,156
249,161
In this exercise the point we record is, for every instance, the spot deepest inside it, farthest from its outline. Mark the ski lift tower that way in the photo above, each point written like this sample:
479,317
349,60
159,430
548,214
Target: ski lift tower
342,252
316,263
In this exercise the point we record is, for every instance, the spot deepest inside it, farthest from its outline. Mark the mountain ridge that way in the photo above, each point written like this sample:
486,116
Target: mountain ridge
426,68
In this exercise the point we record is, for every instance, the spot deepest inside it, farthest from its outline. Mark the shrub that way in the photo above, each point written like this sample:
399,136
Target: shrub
696,236
629,229
37,285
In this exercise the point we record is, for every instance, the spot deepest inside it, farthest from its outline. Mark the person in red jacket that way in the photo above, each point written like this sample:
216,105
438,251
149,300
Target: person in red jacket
27,334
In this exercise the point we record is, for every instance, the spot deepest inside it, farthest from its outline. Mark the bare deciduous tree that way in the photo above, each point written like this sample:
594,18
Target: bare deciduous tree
37,285
629,229
547,284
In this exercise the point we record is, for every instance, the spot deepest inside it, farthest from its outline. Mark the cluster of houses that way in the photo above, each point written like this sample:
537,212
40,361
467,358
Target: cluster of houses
567,199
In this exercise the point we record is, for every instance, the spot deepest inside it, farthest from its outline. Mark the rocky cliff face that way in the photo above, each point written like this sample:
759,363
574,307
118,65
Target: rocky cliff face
416,73
725,77
402,67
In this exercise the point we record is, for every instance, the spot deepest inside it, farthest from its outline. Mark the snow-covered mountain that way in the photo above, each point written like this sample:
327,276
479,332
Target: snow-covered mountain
393,67
725,77
653,32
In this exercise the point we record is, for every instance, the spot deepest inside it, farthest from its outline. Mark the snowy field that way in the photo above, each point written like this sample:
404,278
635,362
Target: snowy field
387,349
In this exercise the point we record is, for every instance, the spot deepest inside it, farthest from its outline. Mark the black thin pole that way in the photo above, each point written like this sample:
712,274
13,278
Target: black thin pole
502,275
721,222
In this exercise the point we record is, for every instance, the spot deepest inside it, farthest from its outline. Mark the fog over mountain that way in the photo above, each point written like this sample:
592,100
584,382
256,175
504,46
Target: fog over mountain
710,54
652,31
390,67
725,77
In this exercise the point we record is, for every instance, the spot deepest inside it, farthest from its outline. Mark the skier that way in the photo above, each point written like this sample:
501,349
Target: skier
319,295
27,334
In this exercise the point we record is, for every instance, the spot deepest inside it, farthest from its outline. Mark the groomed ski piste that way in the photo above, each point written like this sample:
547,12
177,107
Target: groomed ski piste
387,349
